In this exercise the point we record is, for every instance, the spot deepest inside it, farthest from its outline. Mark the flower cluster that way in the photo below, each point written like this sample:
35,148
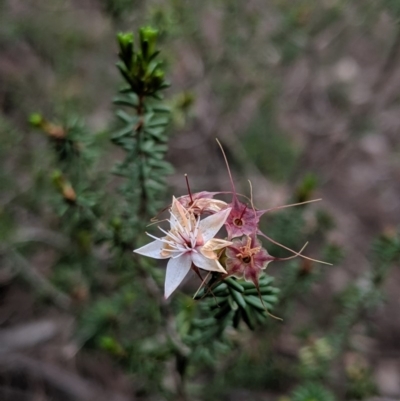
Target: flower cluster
191,242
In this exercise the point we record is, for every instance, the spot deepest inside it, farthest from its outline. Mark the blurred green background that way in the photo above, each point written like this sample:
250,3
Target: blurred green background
304,96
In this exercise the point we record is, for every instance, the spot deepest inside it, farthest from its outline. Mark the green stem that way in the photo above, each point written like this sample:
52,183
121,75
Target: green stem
141,158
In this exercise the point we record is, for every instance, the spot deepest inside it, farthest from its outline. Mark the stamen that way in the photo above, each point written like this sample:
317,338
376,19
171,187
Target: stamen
294,256
153,221
291,250
229,170
188,187
201,285
161,239
196,229
251,199
183,238
177,222
293,204
169,234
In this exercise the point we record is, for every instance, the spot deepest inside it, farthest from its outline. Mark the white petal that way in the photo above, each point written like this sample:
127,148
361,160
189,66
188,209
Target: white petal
212,224
153,250
177,269
207,264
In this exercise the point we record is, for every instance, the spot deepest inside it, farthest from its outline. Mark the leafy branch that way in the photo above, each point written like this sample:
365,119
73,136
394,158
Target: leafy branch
142,134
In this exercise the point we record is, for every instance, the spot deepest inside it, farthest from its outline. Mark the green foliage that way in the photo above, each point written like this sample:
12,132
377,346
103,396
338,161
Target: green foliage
286,227
232,301
106,286
142,130
140,69
315,358
305,190
312,392
360,383
385,252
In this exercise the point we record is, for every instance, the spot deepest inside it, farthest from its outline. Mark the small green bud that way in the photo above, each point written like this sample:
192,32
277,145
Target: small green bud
159,74
63,186
111,345
57,178
36,120
148,40
125,39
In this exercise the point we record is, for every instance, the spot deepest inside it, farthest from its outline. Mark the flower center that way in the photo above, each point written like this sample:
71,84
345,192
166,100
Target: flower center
247,252
238,222
246,259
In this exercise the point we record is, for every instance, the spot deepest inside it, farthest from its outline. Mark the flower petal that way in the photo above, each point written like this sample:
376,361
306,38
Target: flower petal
251,275
153,250
177,269
215,244
201,261
212,224
235,267
202,202
181,216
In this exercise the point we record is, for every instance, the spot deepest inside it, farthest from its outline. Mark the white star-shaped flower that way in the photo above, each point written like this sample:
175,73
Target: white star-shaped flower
189,241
